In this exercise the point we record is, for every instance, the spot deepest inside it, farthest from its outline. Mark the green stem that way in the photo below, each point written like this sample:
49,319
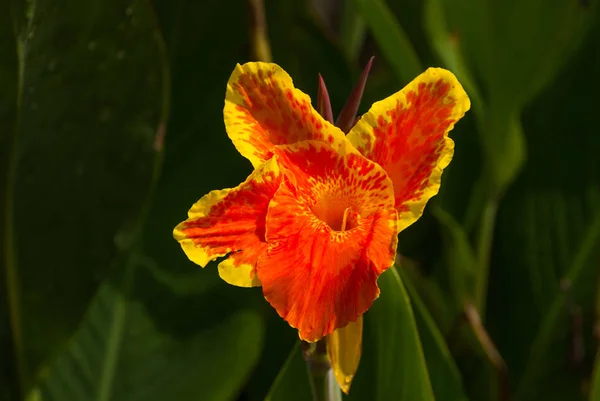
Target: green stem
490,350
484,248
322,381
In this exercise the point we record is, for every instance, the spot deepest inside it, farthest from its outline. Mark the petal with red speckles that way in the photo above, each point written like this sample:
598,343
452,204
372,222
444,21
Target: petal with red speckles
407,134
263,109
231,222
331,230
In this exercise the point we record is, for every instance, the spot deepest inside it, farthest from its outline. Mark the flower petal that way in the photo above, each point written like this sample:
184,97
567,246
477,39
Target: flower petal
407,134
331,229
263,109
344,348
231,221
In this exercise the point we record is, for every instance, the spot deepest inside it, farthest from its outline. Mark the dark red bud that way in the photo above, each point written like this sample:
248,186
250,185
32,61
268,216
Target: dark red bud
323,102
347,116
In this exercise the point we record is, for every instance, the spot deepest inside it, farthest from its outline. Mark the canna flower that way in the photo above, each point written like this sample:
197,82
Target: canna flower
316,222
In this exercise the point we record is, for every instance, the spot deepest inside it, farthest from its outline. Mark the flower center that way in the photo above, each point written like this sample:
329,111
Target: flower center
336,213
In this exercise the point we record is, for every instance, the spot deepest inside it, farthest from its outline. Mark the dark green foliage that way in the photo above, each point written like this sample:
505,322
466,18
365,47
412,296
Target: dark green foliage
111,127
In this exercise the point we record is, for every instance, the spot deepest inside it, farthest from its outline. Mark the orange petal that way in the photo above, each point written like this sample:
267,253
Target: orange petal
344,348
331,229
231,221
263,109
407,134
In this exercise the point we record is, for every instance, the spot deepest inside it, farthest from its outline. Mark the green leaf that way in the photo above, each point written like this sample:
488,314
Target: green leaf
504,148
86,145
542,224
513,64
352,30
391,39
280,338
459,258
432,291
517,47
293,381
447,48
393,365
514,49
122,352
556,318
446,379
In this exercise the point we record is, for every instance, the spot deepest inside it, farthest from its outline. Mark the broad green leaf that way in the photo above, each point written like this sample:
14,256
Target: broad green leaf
542,224
393,365
433,291
539,354
293,381
391,39
555,319
446,379
91,99
517,47
126,350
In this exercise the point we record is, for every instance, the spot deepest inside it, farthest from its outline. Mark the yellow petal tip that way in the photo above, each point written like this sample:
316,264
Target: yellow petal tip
344,349
344,381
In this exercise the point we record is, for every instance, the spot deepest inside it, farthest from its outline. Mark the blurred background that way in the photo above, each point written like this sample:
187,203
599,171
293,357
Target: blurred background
111,127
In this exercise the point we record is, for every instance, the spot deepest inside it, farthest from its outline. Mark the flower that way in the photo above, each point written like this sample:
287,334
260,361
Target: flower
316,222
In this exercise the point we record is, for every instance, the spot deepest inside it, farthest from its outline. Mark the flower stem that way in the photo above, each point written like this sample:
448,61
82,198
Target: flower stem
322,381
490,350
261,48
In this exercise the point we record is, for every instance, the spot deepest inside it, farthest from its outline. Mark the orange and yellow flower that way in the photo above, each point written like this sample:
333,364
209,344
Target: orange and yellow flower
317,221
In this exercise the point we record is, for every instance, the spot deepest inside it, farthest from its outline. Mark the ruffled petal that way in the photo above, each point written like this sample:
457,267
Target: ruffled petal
231,221
344,348
407,134
331,230
263,109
